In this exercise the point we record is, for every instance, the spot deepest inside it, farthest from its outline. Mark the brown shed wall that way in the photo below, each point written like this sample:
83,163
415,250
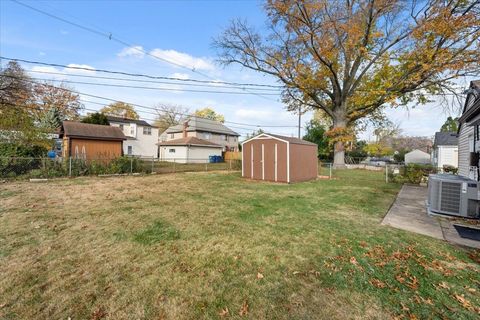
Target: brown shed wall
96,149
269,160
303,162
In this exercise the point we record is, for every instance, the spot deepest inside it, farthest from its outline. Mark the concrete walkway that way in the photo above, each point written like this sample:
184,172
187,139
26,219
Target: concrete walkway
409,212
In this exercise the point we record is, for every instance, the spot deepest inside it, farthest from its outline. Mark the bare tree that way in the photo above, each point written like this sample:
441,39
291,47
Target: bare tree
352,58
169,115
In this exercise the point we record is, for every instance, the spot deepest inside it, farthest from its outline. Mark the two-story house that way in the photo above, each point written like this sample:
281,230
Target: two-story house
469,134
141,137
205,129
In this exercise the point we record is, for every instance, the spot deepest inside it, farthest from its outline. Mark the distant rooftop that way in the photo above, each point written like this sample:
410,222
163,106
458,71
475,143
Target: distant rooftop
445,139
189,141
127,120
202,124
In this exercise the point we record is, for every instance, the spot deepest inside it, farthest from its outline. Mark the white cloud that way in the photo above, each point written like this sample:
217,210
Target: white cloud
134,51
85,68
41,53
179,75
45,72
183,59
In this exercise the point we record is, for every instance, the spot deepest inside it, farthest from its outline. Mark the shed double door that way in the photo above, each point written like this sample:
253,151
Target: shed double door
268,160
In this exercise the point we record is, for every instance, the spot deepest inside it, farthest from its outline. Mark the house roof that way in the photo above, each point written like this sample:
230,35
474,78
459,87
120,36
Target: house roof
284,138
91,131
445,139
418,151
126,120
202,124
471,109
190,141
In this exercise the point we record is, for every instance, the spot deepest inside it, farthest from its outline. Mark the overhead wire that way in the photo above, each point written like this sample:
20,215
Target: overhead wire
152,108
213,82
111,37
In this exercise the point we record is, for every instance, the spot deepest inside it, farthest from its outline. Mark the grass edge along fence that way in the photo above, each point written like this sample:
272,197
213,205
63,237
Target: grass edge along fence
25,167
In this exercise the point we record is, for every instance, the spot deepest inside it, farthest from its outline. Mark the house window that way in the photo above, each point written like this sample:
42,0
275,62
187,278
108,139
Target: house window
207,135
132,131
120,126
171,150
147,131
172,135
224,137
129,150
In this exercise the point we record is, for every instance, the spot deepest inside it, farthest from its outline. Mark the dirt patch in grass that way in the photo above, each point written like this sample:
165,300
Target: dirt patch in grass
206,246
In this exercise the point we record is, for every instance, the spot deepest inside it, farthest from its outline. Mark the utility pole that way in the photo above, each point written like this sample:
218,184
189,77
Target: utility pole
299,120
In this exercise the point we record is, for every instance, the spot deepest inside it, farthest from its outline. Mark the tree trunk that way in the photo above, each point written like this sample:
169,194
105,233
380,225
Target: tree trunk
339,122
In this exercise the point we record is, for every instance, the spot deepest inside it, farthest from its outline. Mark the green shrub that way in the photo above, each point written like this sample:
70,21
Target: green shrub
417,173
450,169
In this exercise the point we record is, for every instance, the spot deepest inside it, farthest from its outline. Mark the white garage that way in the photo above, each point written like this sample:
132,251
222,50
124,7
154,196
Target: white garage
188,150
417,157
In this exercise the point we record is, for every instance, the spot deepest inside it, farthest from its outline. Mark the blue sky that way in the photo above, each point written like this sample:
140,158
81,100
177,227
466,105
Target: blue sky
178,31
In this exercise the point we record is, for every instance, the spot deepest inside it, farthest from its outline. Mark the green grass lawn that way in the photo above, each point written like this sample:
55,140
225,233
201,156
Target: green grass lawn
212,245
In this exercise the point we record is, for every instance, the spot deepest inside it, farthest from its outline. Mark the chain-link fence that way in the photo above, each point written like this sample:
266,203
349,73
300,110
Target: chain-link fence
22,167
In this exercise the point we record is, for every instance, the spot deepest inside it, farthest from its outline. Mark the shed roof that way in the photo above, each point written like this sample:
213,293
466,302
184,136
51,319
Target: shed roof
127,120
202,124
445,139
283,138
418,152
190,141
91,131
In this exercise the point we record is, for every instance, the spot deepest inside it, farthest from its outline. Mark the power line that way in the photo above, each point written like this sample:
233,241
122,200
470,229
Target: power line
150,108
147,88
118,40
147,81
213,82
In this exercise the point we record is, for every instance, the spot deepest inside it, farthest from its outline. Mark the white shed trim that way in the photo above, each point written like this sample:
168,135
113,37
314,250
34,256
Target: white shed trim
276,162
288,162
263,136
263,161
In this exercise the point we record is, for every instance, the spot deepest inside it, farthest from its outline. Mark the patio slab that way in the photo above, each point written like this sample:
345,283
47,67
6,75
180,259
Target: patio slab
409,212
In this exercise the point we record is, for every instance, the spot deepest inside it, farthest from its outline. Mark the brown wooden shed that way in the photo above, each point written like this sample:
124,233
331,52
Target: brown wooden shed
91,141
271,157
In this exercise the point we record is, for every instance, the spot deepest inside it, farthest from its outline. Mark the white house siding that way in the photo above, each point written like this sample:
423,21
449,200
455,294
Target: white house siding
142,145
464,145
447,155
192,154
227,141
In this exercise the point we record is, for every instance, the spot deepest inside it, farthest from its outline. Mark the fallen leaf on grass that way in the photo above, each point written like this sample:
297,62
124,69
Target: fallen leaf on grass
413,283
354,261
400,278
404,307
99,314
377,283
464,302
223,312
443,285
259,276
244,309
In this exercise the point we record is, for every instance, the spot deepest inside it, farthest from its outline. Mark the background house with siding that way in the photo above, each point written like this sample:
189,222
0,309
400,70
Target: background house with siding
445,149
205,129
468,133
90,141
141,137
188,150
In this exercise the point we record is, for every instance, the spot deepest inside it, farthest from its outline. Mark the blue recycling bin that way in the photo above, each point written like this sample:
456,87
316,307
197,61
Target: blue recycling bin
211,159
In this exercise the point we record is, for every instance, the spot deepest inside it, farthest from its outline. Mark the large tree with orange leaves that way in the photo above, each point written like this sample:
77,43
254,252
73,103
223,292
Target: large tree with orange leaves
352,58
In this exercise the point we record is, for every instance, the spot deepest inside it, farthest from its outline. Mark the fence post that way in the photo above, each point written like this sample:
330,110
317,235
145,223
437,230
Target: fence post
230,164
174,165
131,164
69,166
206,165
153,163
330,174
386,173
